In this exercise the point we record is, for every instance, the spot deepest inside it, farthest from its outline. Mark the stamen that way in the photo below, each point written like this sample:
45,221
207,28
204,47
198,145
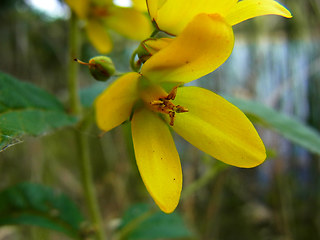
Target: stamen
180,109
172,94
164,105
172,115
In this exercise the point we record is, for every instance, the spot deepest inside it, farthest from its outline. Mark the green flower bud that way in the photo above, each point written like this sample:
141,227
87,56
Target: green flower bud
101,67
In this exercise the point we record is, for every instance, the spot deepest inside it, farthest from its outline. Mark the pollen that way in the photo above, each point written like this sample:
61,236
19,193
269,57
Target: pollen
164,105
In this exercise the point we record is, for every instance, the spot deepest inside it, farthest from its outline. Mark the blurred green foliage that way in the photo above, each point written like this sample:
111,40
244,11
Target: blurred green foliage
28,110
33,204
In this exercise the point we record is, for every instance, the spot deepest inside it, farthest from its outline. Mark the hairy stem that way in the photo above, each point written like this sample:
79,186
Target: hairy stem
81,139
88,185
74,102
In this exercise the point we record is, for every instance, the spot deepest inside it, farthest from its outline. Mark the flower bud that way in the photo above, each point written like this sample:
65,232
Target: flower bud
101,67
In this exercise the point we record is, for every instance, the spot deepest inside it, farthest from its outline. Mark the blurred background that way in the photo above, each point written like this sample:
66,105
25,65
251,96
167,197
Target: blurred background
275,61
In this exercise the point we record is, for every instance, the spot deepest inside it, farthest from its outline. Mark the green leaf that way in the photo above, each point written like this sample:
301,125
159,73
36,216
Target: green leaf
288,127
34,204
142,222
27,110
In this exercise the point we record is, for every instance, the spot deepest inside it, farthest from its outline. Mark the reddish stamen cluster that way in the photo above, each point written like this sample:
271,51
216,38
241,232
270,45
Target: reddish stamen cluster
164,105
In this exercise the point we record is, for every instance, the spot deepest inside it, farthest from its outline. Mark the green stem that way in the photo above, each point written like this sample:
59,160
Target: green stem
154,33
134,66
81,139
74,102
88,184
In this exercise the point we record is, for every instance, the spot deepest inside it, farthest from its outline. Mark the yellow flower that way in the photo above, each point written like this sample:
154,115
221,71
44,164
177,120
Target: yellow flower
203,118
172,16
141,5
102,15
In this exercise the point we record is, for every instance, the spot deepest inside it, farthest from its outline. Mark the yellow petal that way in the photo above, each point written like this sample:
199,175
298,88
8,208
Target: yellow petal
102,2
172,16
203,46
153,45
140,5
218,128
115,104
79,7
247,9
149,47
129,23
99,36
157,159
154,6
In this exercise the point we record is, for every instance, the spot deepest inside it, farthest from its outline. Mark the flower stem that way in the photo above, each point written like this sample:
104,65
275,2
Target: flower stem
88,185
154,33
74,102
134,66
81,139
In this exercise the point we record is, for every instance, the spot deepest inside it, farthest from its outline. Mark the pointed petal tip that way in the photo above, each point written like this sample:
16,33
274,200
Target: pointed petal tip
287,14
168,204
248,9
258,161
168,209
283,11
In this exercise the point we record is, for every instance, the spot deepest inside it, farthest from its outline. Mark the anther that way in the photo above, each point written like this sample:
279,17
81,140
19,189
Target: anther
165,106
172,94
172,115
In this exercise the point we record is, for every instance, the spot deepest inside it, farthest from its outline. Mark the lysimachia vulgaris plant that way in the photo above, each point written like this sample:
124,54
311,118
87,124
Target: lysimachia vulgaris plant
204,40
100,16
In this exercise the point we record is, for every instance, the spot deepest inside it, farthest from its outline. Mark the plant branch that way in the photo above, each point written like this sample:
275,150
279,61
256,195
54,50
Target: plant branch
74,101
81,138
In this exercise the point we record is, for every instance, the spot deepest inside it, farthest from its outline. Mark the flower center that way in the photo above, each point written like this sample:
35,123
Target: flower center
164,105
